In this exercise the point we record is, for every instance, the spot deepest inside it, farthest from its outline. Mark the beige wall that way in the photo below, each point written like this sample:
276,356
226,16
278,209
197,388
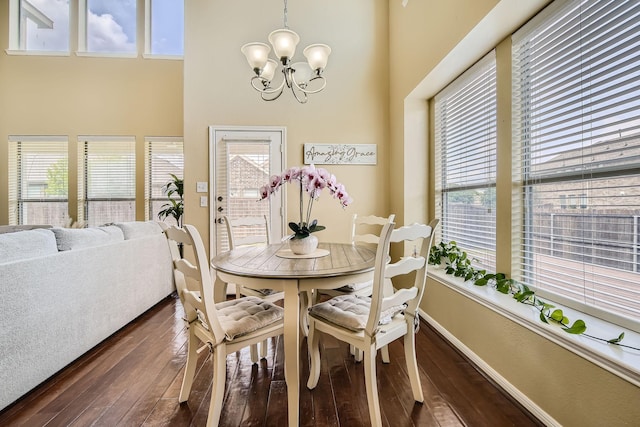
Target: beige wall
451,36
71,95
352,109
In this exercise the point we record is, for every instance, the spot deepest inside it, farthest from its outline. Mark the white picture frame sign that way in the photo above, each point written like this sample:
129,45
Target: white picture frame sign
339,154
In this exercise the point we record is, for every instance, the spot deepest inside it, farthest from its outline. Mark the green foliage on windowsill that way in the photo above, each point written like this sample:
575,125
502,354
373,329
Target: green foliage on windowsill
455,261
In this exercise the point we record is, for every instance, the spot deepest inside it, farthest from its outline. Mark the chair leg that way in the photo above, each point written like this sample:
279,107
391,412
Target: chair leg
190,368
219,362
372,386
253,351
356,353
313,344
412,365
263,349
384,352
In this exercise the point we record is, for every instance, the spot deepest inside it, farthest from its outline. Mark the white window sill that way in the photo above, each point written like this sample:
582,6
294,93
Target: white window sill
162,56
621,361
108,54
36,52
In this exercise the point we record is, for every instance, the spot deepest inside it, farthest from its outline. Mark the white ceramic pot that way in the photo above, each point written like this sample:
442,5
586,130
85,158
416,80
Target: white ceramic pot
304,246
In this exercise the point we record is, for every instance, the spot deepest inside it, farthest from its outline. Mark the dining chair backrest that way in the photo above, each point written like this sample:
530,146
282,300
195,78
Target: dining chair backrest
193,281
420,235
365,229
250,230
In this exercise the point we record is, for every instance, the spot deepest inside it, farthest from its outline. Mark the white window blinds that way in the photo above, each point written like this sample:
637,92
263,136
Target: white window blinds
164,157
38,180
108,184
465,138
576,132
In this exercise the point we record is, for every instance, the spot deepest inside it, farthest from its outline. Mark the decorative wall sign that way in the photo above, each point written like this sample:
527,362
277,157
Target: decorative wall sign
335,154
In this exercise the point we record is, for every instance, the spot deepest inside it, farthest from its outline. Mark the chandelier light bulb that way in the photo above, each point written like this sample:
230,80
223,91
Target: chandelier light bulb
257,55
284,43
317,55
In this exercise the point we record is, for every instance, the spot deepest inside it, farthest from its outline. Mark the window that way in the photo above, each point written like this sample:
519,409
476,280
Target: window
165,27
38,183
164,157
108,184
40,25
576,132
465,137
109,26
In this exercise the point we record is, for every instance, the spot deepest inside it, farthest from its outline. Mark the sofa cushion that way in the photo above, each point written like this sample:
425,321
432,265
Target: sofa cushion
77,238
27,244
137,229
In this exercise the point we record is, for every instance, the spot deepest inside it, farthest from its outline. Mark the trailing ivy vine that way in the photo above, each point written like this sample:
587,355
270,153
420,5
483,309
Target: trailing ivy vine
457,263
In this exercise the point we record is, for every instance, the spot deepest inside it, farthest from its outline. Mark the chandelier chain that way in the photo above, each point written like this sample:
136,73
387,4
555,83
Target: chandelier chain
285,15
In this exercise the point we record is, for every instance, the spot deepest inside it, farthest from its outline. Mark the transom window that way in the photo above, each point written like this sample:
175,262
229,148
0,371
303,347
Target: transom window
165,27
39,25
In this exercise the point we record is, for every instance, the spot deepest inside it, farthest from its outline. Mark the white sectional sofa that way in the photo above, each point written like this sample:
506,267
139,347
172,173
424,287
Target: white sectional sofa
63,291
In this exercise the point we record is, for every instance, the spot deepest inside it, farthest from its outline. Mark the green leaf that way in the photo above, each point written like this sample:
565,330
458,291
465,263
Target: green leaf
616,340
481,282
503,286
557,315
577,328
522,296
543,317
294,227
500,276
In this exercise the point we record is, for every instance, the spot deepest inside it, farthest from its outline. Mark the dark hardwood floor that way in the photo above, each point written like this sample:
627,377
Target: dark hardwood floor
134,377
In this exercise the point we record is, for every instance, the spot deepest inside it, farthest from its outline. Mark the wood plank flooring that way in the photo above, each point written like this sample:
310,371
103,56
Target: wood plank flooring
134,377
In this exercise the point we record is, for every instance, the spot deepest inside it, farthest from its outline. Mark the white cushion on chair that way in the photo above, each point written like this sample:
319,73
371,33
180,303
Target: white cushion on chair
351,312
354,287
242,316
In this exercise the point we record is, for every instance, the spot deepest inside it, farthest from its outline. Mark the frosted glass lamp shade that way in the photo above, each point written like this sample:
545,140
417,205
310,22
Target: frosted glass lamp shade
269,70
284,43
317,55
302,74
257,55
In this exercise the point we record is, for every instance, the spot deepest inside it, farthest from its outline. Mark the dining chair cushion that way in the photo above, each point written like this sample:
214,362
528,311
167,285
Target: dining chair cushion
242,316
351,311
354,287
265,292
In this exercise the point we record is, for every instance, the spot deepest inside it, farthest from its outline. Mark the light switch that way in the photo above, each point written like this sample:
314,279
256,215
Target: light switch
201,187
203,201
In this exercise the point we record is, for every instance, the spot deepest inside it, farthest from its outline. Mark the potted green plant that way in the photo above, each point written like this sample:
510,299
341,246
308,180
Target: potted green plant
175,207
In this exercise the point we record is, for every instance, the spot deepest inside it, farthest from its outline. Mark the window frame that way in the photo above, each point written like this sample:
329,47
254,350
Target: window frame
469,87
148,191
84,200
576,200
16,200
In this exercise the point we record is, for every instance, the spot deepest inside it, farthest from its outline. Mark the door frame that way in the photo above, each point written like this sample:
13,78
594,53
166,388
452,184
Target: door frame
214,130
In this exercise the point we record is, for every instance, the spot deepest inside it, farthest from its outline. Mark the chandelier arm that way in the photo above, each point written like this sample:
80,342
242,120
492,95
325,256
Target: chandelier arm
264,96
304,98
307,91
266,89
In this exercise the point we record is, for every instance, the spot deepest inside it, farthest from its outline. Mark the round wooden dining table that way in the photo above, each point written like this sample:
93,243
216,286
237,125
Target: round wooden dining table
274,267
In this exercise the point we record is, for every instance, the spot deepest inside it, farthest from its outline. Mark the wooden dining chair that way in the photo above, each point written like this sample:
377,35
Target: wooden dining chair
222,328
245,231
365,230
369,323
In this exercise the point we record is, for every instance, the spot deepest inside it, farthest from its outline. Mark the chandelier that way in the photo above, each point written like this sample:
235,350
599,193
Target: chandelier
301,77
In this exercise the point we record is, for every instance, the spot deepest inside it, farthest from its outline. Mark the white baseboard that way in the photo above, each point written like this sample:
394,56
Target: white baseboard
492,373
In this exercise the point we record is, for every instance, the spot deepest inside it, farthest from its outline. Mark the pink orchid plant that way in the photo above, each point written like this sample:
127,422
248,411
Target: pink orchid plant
311,180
